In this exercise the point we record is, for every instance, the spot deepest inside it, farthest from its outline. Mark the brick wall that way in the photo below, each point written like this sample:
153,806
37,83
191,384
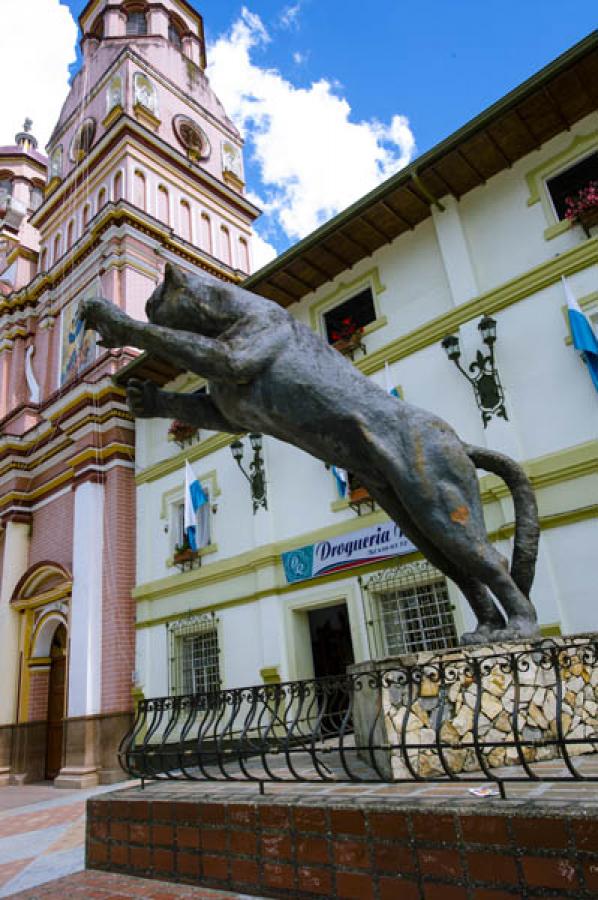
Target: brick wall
37,710
118,613
52,532
370,853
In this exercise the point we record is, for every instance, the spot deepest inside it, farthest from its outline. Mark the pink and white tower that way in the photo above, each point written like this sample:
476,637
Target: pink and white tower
144,167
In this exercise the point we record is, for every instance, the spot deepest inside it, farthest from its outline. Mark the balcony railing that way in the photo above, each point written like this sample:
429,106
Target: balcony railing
466,716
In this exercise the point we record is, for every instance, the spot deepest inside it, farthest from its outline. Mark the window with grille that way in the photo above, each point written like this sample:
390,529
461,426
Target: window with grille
411,610
195,658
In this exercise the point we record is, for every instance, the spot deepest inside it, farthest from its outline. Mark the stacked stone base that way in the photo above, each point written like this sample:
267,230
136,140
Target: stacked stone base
520,702
317,848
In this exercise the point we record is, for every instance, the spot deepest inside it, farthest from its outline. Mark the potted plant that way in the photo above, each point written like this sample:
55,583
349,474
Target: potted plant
182,433
346,337
184,556
583,206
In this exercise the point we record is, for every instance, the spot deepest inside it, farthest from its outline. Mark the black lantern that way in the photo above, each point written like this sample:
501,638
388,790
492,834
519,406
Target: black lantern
256,476
484,377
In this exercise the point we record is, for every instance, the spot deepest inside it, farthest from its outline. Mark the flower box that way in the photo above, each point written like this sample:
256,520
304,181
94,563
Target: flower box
583,207
182,433
588,219
186,558
348,345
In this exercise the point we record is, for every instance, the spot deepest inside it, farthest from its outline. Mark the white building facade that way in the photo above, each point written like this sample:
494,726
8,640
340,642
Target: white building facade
475,227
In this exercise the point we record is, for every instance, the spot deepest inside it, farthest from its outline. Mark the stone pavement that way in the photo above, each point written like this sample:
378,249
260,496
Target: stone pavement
42,850
105,885
42,834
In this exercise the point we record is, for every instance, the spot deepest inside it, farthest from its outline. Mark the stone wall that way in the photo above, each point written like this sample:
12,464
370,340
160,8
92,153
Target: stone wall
470,708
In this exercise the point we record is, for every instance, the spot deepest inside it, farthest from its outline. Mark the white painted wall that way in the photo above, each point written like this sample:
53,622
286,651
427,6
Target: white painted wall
85,683
477,244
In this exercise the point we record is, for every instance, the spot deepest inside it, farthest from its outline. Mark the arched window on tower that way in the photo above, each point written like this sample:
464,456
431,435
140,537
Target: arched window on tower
244,255
102,198
86,215
140,191
163,205
206,233
225,245
36,196
185,220
136,22
43,261
175,34
5,190
117,187
57,246
70,234
83,140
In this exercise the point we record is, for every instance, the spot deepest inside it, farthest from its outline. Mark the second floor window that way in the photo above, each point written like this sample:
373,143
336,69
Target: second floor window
354,313
570,182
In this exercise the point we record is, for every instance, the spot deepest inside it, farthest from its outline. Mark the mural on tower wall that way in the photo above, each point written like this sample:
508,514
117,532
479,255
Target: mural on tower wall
78,345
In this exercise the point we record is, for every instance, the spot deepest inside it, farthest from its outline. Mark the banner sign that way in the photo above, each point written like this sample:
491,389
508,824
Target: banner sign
345,552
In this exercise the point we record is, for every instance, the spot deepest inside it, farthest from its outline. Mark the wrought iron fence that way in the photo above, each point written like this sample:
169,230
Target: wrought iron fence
464,716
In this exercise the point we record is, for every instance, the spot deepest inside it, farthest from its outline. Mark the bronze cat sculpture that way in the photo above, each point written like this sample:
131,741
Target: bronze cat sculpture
269,373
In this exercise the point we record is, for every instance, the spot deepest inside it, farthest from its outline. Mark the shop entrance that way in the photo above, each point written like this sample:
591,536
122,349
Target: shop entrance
331,644
56,695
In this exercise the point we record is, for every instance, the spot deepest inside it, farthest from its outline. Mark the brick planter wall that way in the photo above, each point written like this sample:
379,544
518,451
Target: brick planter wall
374,852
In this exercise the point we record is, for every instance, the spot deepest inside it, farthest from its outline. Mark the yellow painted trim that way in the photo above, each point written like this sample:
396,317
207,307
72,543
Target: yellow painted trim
544,471
115,113
569,262
270,675
343,291
557,520
551,629
580,146
167,466
535,178
587,304
146,117
44,598
177,493
24,651
574,462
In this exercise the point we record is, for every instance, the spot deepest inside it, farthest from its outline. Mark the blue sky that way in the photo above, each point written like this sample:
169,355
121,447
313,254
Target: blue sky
335,96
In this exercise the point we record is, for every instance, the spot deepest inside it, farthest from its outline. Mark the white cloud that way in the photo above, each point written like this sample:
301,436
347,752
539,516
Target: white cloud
261,251
313,159
290,15
37,44
299,57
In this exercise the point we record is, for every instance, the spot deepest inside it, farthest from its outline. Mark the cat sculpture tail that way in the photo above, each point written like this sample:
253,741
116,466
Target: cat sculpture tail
527,527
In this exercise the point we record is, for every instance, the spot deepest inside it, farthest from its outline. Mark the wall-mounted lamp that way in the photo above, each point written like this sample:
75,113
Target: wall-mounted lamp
257,475
486,381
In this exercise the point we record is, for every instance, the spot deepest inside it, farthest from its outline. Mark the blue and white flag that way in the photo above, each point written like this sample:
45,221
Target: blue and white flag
342,480
390,389
582,333
195,498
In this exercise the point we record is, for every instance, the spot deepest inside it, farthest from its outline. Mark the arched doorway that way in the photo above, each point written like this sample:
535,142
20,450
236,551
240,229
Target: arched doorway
56,702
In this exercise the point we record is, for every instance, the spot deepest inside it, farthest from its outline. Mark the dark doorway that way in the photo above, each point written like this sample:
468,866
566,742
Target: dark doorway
56,697
332,651
331,643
